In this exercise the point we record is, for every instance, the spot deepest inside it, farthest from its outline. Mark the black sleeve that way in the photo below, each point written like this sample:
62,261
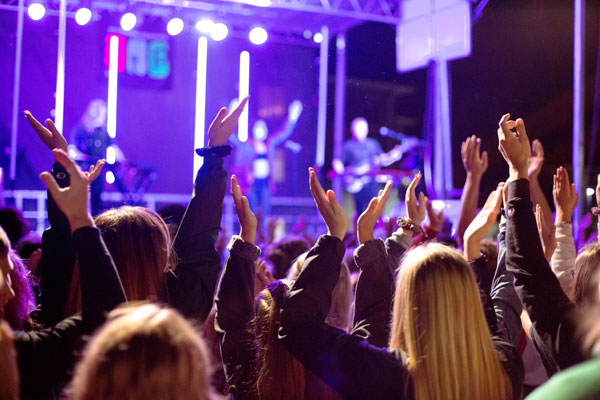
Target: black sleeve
58,258
345,362
479,267
550,310
46,357
513,365
235,310
374,293
191,286
101,288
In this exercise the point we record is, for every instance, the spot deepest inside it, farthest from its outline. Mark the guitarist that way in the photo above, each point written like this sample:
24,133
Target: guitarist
359,156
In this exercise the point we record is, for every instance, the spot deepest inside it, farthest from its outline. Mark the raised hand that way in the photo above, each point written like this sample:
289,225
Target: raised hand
536,159
474,163
223,125
248,223
262,276
50,136
565,196
546,231
514,146
415,208
294,110
436,219
333,214
368,219
482,223
72,200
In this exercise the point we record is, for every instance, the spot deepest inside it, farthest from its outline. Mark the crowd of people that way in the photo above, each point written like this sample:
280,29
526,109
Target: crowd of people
113,307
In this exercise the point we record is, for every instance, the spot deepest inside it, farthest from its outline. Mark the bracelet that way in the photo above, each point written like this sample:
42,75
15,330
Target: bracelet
408,225
217,151
596,211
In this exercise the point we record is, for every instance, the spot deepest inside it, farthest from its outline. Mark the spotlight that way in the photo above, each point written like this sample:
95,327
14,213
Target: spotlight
307,34
83,16
258,35
128,21
36,11
219,31
204,25
175,26
318,37
110,177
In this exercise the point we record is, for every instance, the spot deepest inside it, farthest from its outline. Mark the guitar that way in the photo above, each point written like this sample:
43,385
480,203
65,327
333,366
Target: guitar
355,178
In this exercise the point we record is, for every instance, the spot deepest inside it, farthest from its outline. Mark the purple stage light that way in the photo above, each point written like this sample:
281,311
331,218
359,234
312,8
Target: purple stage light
204,25
128,21
258,35
36,11
175,26
83,16
219,31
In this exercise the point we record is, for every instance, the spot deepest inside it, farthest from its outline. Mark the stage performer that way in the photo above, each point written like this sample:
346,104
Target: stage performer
361,155
88,144
259,150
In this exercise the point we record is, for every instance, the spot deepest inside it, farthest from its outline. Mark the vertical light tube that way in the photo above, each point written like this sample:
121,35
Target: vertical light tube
445,124
16,91
244,90
322,110
113,72
578,110
200,113
59,104
340,103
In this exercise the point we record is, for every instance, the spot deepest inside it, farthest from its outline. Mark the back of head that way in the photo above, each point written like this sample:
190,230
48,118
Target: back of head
282,253
14,224
280,375
587,265
138,240
144,352
438,321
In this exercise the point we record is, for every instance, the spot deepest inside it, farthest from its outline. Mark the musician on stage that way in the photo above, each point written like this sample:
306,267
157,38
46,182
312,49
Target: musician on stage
359,156
88,144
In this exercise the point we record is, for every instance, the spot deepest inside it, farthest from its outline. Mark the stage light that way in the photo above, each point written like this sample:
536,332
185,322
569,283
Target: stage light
307,34
219,31
128,21
590,191
175,26
244,90
200,114
111,104
110,177
36,11
258,35
83,16
318,37
111,155
204,25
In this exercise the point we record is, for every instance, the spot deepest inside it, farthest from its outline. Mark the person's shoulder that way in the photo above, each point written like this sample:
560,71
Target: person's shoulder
581,381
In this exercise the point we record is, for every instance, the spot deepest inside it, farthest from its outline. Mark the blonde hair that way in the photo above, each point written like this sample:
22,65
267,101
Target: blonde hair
438,321
144,352
139,242
587,265
9,372
280,375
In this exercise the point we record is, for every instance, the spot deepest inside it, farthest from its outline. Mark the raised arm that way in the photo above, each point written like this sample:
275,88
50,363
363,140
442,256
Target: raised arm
235,303
294,111
563,259
375,286
550,310
191,285
475,165
534,167
346,362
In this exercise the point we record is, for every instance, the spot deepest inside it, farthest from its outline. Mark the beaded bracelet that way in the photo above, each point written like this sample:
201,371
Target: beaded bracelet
408,225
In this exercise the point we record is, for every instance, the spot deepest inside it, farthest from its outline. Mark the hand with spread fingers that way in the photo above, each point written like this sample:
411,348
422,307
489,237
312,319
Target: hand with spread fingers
482,223
436,218
248,223
368,219
72,200
415,208
49,135
474,162
223,125
332,212
546,231
565,196
514,146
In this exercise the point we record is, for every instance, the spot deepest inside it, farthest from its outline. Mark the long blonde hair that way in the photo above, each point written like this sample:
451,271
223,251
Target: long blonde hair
438,322
144,352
